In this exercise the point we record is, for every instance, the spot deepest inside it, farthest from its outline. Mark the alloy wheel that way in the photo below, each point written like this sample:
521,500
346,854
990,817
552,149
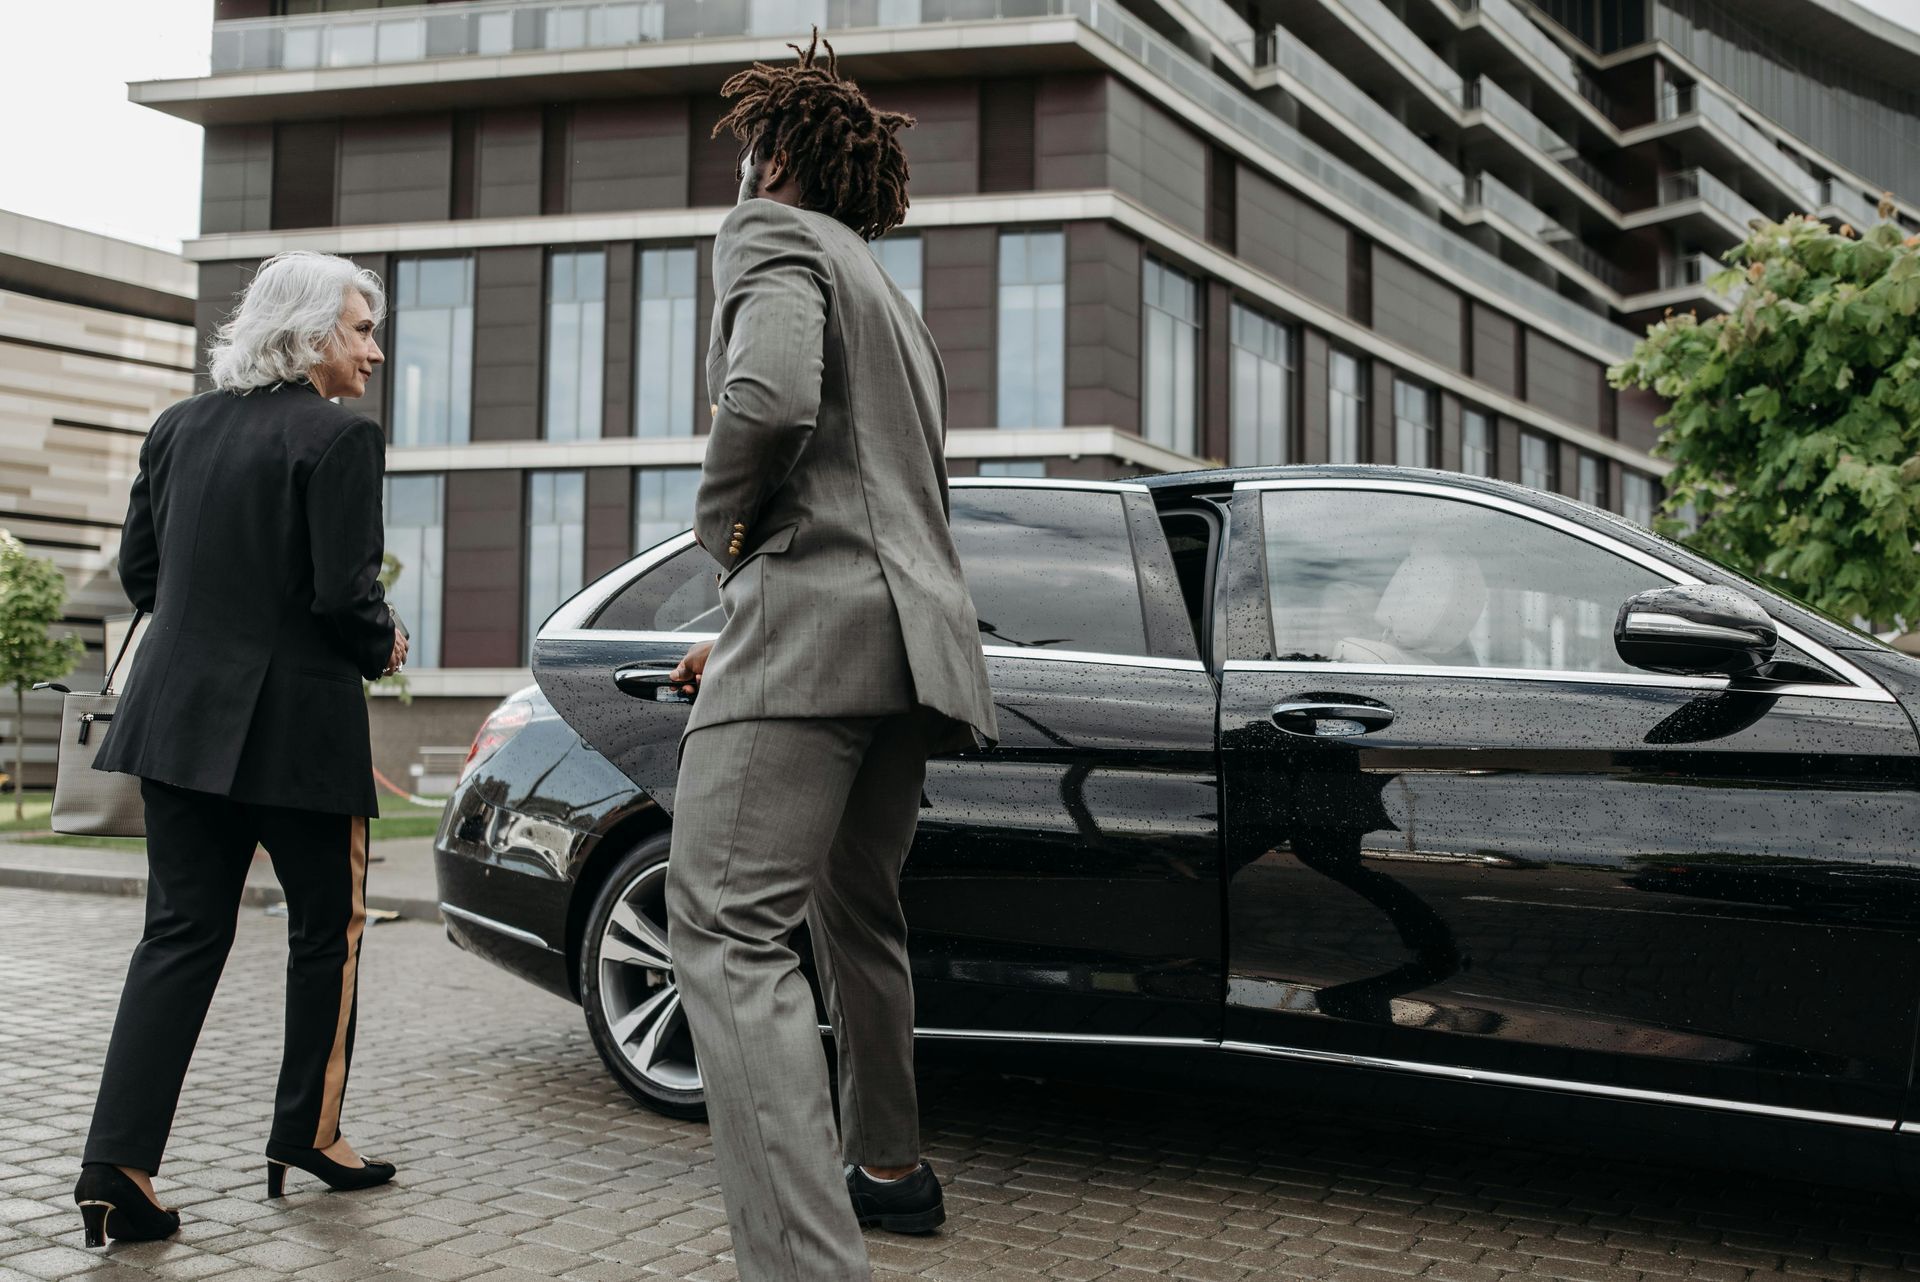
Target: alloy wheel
638,994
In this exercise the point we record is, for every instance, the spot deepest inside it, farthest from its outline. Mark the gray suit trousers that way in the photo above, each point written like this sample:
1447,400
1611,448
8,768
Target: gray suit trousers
776,821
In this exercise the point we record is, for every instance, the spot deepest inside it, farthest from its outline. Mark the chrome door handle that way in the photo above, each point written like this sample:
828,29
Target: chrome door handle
656,684
1331,720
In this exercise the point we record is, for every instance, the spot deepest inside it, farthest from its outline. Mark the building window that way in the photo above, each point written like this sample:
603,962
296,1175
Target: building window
662,503
432,359
664,329
416,537
1033,329
1262,391
900,255
1536,461
1412,424
1593,481
1476,444
1346,409
576,344
1172,377
556,543
1013,467
1639,496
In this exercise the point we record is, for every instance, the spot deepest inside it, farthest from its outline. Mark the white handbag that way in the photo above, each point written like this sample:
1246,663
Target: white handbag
89,802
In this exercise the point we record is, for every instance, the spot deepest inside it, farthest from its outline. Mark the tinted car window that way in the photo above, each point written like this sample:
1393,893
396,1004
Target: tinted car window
677,595
1401,579
1050,569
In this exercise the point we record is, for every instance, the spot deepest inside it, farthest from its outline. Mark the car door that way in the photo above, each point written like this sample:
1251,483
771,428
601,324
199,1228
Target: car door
1066,882
1464,837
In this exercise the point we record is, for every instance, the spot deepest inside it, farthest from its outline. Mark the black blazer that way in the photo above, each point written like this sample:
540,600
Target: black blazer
254,539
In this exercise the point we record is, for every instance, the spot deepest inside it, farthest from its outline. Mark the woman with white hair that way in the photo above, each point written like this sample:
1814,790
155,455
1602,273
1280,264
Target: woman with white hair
254,540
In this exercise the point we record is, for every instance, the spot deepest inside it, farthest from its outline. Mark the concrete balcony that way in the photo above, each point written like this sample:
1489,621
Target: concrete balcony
1396,43
1558,159
1843,202
1701,208
1539,54
1684,286
1741,140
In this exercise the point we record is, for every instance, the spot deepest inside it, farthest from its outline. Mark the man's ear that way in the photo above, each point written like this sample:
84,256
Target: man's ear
776,171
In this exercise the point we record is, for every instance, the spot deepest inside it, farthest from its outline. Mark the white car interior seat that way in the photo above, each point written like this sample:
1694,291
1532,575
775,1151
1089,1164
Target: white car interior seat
1426,612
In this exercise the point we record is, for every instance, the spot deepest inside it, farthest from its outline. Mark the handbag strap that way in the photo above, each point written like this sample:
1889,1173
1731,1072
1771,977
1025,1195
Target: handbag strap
124,643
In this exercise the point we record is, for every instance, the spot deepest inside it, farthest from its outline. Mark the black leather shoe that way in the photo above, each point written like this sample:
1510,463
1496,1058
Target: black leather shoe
314,1162
112,1206
911,1204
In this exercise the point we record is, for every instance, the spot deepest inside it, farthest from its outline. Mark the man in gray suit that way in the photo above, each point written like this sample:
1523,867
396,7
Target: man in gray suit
851,651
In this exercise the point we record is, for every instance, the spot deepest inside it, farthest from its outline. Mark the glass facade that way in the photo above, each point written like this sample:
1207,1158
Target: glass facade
1013,467
431,365
665,328
1171,379
416,536
1639,498
662,503
1032,330
1593,480
1476,444
1262,391
556,544
900,255
1536,461
576,344
1346,409
1412,424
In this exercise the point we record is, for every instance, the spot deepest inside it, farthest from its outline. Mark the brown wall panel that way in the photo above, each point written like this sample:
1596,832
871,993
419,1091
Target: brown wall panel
1313,396
1005,141
943,147
396,169
629,155
1416,310
703,397
609,519
957,265
1566,472
306,165
622,264
1506,455
1292,241
1634,417
1156,160
507,163
507,348
1216,337
236,179
221,285
1380,413
1495,350
1070,132
1449,433
485,562
713,179
1562,382
1103,326
373,401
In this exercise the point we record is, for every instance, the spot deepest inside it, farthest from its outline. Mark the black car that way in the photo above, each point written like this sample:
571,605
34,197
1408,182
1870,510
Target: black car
1413,775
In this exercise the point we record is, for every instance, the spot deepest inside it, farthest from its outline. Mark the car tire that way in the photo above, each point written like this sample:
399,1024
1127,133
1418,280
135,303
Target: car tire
627,988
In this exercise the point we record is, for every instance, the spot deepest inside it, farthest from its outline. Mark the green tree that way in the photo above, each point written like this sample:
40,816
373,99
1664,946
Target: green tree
1794,426
390,568
32,596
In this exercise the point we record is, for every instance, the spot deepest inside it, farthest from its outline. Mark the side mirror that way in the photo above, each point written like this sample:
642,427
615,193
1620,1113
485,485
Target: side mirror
1694,630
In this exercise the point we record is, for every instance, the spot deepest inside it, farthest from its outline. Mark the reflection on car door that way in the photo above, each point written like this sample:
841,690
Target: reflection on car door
1462,832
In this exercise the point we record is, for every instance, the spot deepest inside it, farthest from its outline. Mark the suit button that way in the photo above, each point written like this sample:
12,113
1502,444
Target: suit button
713,411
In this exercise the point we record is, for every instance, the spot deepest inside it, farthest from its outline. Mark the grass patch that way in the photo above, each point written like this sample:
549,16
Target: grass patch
39,808
399,818
91,843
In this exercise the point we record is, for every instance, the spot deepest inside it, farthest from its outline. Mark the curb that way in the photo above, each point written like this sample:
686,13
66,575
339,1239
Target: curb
106,883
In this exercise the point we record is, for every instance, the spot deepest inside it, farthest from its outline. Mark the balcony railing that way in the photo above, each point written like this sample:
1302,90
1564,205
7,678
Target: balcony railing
1698,184
1843,200
1584,256
1488,193
1182,74
1282,50
1504,107
1506,17
1689,269
1372,15
1716,109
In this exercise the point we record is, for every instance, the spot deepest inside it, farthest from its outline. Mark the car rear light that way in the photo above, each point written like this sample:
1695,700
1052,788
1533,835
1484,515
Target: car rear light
504,722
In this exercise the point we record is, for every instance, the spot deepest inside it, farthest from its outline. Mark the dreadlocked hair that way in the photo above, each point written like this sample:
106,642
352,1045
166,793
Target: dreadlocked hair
839,147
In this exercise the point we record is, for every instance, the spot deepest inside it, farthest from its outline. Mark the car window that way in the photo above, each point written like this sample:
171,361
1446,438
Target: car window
677,595
1050,569
1373,577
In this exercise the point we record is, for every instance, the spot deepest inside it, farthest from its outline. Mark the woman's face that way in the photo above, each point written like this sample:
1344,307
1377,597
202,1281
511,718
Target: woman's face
349,363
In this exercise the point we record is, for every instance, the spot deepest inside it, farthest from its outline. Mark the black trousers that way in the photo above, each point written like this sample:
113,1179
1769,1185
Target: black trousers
199,847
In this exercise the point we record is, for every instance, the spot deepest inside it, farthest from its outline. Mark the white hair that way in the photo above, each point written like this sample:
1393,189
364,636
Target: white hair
288,321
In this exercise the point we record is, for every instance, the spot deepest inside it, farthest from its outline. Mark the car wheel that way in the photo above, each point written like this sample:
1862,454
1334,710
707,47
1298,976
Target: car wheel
627,987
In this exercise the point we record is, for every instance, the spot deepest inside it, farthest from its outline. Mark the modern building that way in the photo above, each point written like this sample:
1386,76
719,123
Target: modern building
1144,233
96,337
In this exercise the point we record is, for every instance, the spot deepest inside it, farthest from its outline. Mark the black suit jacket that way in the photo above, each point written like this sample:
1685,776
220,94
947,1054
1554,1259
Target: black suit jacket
254,539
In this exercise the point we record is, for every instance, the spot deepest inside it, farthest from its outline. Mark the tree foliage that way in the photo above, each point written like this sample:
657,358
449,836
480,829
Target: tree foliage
32,597
1794,424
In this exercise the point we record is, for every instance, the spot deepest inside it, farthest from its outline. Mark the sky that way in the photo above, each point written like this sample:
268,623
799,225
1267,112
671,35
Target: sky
77,152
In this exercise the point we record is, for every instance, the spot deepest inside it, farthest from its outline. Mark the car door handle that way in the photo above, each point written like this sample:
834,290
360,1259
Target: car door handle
1331,720
655,684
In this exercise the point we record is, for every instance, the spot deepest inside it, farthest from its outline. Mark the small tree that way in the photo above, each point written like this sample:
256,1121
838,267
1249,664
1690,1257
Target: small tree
1794,426
32,596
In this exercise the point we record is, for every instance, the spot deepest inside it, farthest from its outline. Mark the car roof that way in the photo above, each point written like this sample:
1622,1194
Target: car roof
1203,480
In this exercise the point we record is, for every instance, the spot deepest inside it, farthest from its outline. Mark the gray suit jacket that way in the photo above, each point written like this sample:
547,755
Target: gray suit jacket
824,493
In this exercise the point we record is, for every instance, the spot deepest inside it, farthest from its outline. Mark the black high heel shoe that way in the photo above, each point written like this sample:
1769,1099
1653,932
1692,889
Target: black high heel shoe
314,1162
112,1205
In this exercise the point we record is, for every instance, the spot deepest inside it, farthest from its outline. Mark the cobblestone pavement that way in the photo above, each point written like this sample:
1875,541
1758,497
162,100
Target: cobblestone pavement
520,1159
